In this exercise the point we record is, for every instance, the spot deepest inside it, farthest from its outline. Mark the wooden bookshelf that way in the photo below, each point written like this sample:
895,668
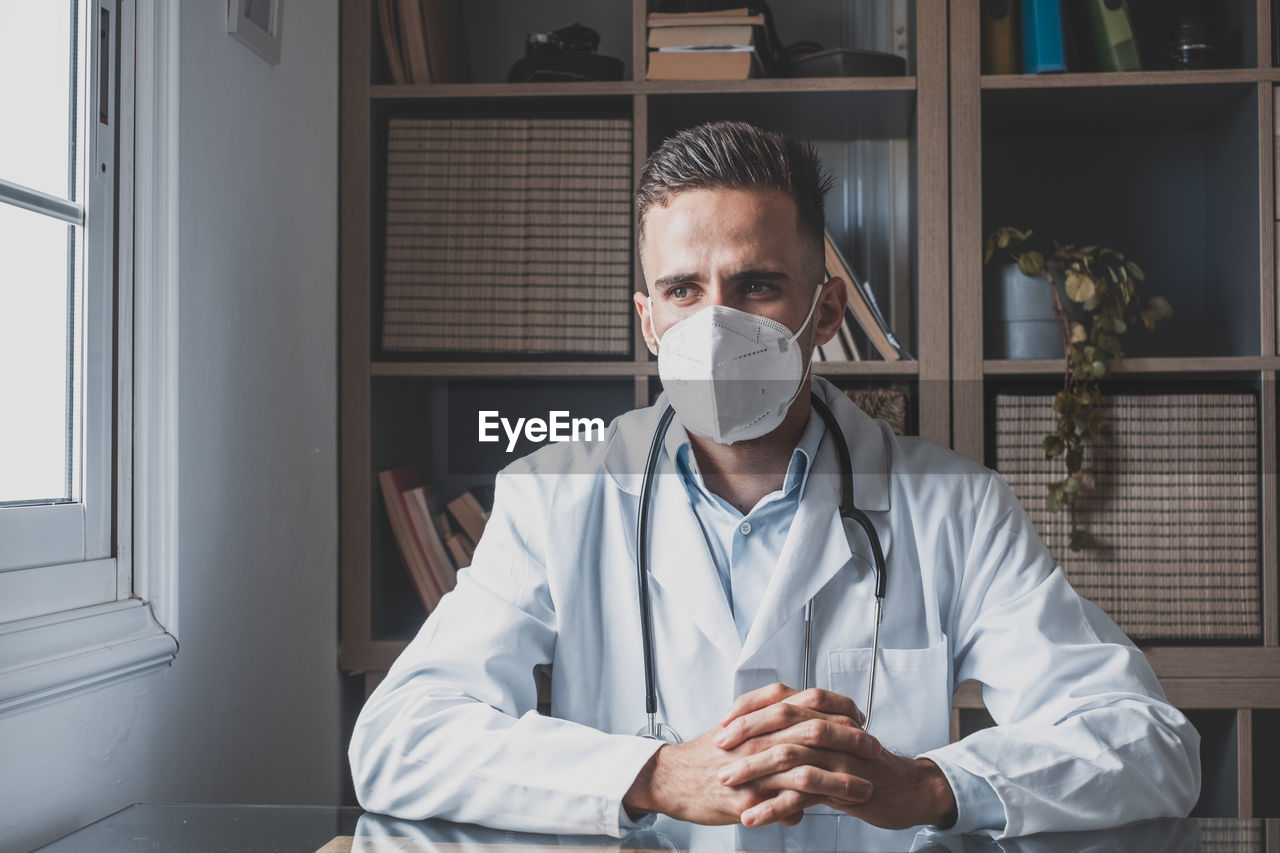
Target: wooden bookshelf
960,126
1008,166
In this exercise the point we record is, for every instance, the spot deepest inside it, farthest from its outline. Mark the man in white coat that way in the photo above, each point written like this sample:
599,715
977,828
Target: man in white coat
745,540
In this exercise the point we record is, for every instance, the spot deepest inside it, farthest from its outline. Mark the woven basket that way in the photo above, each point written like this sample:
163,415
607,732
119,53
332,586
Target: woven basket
1174,509
886,404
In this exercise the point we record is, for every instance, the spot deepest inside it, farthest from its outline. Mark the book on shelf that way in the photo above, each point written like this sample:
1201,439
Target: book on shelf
717,18
389,25
470,514
395,484
423,40
726,36
413,45
862,304
461,548
730,44
705,64
443,571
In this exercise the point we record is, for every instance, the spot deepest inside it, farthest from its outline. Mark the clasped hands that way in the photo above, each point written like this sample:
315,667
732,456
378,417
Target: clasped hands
779,751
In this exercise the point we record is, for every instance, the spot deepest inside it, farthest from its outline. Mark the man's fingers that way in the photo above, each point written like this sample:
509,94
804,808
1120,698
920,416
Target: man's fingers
773,718
828,703
754,700
843,788
824,734
784,804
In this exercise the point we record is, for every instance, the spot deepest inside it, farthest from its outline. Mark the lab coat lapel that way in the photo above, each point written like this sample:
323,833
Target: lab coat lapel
681,563
818,545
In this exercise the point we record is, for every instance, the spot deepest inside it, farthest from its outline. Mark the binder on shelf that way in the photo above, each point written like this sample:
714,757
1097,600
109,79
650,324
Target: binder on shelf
1042,44
1000,37
862,303
1113,39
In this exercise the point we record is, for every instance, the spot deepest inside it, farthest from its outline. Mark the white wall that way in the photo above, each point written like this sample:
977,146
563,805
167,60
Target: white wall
249,711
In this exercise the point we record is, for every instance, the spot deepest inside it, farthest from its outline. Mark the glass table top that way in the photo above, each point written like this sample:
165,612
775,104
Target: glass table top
253,828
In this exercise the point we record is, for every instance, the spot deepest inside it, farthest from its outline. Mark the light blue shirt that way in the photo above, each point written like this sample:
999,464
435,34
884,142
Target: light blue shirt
745,550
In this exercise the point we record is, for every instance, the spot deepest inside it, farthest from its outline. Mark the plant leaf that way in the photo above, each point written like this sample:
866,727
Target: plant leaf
1080,287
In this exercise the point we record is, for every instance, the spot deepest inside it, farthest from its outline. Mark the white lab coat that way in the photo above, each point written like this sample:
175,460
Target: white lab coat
1085,735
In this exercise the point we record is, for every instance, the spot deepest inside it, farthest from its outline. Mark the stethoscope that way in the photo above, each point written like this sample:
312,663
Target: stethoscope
848,512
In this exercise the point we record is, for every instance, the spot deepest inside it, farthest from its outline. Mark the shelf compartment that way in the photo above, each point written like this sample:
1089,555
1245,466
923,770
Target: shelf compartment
431,426
1148,79
1176,506
867,140
1233,29
1053,367
626,88
1167,175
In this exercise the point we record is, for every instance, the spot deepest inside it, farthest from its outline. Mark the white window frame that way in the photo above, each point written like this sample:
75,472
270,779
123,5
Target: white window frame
111,613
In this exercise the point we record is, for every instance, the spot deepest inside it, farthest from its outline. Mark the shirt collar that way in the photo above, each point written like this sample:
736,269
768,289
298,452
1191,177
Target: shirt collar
680,450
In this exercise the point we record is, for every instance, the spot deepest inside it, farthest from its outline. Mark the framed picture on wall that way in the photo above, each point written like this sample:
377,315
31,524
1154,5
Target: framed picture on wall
257,24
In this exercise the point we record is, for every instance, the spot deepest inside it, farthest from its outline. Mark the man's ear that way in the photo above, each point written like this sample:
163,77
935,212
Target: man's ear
643,310
829,314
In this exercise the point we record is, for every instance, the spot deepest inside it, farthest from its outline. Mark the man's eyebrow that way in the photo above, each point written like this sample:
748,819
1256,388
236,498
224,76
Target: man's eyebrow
671,280
742,275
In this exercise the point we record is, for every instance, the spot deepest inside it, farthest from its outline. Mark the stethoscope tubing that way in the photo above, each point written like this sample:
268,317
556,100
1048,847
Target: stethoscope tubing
847,511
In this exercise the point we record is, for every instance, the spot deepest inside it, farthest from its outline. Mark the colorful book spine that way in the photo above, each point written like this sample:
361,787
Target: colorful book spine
1000,37
1042,46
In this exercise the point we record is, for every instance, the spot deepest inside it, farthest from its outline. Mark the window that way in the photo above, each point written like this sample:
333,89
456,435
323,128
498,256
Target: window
68,613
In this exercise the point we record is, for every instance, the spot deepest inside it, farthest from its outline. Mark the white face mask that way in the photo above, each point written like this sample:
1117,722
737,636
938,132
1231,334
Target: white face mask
730,375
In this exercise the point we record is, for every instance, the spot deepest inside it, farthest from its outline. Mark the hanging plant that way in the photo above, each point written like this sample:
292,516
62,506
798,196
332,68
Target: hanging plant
1105,286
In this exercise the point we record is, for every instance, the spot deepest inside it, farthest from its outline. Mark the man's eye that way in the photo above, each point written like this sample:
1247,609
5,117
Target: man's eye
756,287
680,291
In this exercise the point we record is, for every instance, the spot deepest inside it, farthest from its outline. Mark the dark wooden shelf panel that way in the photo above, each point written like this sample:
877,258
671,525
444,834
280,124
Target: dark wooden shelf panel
1053,366
1126,78
514,369
455,91
518,369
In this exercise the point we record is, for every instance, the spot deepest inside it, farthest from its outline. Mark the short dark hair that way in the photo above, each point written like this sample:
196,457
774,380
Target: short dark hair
737,155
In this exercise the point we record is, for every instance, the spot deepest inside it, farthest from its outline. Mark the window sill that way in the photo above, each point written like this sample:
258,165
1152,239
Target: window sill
55,656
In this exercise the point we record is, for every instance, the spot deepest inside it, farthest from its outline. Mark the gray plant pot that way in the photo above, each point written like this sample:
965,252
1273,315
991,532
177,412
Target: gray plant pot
1020,319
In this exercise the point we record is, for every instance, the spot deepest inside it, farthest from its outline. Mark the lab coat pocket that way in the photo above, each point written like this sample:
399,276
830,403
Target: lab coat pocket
911,710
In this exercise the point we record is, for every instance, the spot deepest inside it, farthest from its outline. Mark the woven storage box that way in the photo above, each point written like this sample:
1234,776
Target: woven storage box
1230,835
508,236
886,404
1174,509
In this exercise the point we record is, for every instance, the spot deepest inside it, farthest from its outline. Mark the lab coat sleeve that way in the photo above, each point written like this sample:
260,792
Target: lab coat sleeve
452,731
1085,737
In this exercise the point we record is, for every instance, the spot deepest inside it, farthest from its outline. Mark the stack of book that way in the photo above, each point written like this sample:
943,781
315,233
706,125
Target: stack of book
731,44
422,40
508,236
433,544
861,312
1034,37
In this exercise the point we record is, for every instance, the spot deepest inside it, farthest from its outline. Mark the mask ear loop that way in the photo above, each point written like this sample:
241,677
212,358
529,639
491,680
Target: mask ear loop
804,377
